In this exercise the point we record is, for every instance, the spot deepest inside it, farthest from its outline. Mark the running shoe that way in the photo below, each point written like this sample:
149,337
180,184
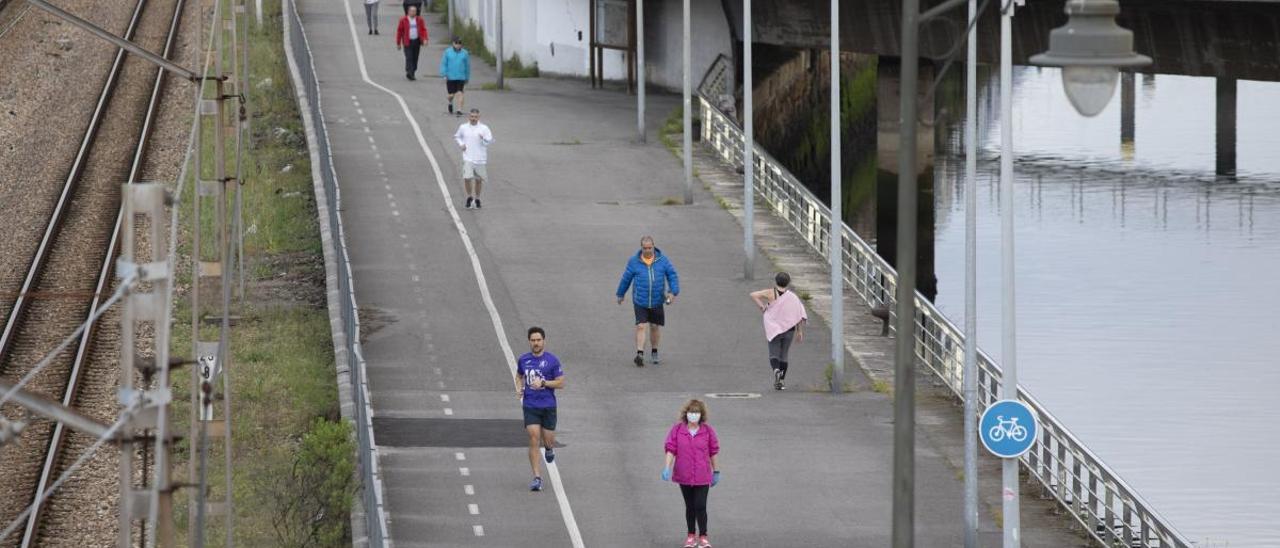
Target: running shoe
691,541
703,542
653,357
550,455
777,380
639,361
536,484
477,203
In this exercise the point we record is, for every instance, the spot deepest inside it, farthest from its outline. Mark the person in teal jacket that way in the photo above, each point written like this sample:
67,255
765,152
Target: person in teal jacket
649,273
455,68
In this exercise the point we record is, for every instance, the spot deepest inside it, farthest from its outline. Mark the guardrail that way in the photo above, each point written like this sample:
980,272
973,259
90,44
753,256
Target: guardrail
1110,511
347,336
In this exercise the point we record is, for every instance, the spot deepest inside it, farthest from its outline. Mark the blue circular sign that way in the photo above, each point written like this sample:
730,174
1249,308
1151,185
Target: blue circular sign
1008,428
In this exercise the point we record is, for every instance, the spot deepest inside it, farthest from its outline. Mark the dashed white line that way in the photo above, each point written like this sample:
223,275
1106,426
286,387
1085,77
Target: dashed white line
439,371
363,120
387,186
393,205
367,130
478,529
416,278
464,471
469,489
444,398
460,455
448,411
474,509
391,196
395,213
371,139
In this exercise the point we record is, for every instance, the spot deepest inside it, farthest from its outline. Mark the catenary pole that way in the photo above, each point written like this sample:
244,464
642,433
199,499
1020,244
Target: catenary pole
904,449
499,41
835,247
971,287
640,69
1008,331
748,147
688,110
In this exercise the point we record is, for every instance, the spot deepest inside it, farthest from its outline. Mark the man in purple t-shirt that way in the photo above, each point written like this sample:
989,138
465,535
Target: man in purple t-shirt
538,376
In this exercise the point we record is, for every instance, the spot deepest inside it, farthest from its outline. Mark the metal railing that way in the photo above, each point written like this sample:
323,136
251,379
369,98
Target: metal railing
329,206
1110,511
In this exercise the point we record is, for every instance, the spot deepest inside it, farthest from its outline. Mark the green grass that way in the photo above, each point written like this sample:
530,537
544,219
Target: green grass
671,130
293,456
473,40
671,201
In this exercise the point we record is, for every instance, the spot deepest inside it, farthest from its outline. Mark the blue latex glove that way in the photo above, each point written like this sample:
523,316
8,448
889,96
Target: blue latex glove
715,478
666,474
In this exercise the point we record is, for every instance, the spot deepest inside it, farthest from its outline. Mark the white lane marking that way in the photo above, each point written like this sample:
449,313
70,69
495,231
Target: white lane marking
469,489
391,196
355,100
439,371
448,411
416,278
364,120
464,471
553,471
371,141
478,529
460,455
444,398
395,213
388,187
367,130
474,509
359,110
393,205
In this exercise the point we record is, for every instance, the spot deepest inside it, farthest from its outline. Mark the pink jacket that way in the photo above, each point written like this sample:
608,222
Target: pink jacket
693,453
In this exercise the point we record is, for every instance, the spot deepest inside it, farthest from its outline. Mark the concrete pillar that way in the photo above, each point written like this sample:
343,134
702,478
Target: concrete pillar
1127,92
1226,128
888,106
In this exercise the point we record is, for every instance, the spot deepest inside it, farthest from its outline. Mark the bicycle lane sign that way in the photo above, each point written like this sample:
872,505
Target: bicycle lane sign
1008,428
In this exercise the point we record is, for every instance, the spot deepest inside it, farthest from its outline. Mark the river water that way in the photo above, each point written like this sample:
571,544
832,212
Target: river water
1148,288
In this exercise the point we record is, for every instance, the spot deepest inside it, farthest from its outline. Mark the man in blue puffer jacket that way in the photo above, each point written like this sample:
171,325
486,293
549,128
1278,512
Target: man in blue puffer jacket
649,272
455,68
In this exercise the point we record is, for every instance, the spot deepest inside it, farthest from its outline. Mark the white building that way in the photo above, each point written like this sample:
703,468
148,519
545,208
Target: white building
556,35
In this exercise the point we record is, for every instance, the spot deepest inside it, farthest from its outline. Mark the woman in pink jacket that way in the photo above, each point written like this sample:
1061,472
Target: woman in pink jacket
691,462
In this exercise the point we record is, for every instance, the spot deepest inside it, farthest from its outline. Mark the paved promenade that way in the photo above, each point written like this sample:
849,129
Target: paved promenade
447,293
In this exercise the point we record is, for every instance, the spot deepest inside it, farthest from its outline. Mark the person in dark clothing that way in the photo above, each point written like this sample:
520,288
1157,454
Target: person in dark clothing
417,4
411,33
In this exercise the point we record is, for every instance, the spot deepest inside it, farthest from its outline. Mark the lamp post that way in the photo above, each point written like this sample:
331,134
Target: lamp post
1091,49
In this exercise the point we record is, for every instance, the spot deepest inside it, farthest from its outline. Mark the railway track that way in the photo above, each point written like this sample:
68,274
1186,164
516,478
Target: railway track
69,278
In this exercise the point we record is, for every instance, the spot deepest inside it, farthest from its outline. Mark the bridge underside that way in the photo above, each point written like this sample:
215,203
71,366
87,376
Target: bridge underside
1238,40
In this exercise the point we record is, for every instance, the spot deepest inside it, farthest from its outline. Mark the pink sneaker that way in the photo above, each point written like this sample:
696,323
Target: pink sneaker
691,541
703,542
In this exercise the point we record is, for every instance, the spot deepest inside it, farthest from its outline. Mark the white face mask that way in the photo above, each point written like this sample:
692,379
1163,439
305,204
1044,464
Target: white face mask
693,417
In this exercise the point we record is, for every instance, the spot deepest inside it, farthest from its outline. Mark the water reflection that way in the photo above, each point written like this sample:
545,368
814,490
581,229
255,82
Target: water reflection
1146,285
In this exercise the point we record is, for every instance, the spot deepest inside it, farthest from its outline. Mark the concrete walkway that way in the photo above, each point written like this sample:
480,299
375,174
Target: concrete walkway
443,289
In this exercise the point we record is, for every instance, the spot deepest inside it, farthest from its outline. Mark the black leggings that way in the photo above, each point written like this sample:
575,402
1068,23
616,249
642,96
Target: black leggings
695,506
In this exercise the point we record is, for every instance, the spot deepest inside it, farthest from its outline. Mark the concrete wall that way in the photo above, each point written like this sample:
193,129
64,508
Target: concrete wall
555,33
709,36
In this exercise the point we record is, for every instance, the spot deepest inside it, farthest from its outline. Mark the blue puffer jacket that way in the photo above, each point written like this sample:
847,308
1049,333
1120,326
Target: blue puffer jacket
455,64
650,281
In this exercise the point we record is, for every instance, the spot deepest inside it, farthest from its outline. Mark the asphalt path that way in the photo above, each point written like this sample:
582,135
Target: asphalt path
442,289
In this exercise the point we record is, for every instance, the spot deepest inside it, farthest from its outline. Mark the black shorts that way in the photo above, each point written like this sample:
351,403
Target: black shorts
655,316
454,86
541,416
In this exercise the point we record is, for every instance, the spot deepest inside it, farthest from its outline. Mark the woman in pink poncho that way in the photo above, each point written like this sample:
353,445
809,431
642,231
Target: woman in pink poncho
784,319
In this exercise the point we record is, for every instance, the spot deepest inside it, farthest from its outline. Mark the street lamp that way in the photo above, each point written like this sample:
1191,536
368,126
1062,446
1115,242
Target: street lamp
1091,48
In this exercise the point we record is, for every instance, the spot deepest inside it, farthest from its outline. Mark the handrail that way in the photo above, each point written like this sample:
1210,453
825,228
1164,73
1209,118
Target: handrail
1111,512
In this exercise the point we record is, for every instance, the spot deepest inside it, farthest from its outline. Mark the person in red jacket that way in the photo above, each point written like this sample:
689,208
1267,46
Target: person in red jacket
411,33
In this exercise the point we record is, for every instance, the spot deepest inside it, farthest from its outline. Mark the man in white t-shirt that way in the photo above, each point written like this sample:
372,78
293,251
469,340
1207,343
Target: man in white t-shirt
474,138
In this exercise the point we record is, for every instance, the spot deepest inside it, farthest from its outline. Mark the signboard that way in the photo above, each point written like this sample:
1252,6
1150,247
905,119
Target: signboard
1008,428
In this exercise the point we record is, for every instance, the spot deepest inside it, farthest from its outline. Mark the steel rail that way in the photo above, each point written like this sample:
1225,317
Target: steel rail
68,189
71,391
